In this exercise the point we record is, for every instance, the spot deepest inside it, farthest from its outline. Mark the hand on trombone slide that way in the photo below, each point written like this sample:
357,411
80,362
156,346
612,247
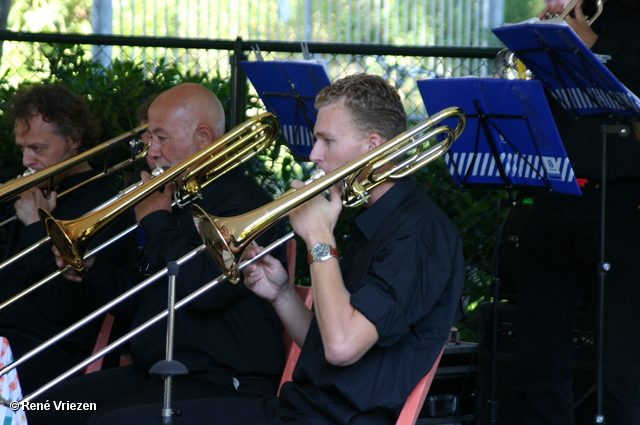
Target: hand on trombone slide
71,274
30,201
266,277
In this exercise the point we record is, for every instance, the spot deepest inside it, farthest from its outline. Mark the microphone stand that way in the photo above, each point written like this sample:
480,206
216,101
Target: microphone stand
169,367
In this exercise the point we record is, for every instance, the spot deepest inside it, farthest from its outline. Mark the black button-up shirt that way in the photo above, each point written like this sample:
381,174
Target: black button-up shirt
60,303
405,273
227,331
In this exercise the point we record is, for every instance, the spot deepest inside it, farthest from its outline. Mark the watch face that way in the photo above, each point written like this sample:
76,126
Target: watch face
321,250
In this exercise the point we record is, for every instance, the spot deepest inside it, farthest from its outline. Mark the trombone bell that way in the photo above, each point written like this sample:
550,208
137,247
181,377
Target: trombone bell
220,243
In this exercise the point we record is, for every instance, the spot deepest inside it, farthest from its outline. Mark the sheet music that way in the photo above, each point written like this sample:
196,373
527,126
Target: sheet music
568,68
288,89
511,140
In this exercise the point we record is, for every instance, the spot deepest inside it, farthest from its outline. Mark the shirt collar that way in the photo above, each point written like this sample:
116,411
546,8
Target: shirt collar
371,218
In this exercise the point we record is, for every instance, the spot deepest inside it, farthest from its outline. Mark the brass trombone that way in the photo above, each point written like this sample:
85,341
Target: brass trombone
572,5
12,188
137,157
72,237
227,237
260,132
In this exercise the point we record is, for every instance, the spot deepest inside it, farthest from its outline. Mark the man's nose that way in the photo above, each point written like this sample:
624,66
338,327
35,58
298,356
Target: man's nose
315,155
155,151
28,159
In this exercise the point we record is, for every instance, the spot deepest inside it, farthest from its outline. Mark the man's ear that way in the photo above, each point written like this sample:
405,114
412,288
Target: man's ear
204,135
374,140
75,145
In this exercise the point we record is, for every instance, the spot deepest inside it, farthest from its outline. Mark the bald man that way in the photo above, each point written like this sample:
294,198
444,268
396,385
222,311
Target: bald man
229,339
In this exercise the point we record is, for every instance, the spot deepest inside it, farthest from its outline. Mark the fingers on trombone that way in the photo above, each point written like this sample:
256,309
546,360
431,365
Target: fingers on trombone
70,274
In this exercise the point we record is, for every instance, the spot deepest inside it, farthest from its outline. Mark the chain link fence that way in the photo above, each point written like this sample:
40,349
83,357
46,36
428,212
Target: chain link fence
475,212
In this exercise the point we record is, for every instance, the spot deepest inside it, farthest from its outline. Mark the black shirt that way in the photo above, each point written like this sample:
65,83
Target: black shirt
228,330
618,32
405,272
60,303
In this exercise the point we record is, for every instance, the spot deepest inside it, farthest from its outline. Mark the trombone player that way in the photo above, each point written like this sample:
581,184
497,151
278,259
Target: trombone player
382,312
229,339
51,124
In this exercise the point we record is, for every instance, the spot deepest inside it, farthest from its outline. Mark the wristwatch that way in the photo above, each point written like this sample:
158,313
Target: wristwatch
322,252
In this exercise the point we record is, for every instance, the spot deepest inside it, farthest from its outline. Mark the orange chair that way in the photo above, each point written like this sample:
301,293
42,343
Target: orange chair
415,401
292,350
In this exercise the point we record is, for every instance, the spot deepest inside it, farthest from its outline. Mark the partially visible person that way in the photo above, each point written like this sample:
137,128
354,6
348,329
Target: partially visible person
382,312
229,339
560,242
52,124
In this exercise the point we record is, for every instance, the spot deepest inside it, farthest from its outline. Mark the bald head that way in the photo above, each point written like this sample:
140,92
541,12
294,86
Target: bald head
182,121
193,102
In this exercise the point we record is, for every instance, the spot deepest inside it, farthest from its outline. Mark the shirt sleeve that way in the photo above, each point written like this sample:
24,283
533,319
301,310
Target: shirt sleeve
402,285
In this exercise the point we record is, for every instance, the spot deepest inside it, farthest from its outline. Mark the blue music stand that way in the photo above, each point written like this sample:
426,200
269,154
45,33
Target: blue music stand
288,89
583,85
511,141
568,69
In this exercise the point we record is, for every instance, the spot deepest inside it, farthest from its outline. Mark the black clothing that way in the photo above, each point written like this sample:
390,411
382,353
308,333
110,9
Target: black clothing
559,258
226,338
59,303
405,271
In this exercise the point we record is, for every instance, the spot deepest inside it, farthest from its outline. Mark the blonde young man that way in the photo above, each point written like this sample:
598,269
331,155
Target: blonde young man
382,310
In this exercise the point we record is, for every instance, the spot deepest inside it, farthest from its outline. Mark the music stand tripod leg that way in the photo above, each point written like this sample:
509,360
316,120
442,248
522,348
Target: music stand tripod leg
169,367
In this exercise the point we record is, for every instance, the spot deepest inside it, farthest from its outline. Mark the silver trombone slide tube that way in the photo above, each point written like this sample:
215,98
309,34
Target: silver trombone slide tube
66,268
133,332
105,308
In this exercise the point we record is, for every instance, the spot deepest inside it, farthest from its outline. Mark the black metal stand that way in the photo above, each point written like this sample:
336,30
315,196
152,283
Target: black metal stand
168,368
604,266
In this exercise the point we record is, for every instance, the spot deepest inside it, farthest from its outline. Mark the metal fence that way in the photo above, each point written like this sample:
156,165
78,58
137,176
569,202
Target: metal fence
473,211
407,22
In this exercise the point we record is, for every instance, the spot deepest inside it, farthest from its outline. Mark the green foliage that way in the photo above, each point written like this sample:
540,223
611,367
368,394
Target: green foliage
113,93
520,10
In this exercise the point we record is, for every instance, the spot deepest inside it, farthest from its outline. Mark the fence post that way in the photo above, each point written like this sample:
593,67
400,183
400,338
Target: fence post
238,86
